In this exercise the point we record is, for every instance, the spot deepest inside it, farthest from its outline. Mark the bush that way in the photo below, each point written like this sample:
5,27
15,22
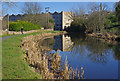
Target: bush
78,25
16,26
111,20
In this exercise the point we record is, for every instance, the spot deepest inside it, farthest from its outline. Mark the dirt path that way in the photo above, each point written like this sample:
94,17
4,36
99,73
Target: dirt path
25,32
19,33
6,37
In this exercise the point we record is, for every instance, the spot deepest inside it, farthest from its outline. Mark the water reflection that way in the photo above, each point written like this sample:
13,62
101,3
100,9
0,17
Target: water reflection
98,50
63,43
47,42
117,51
99,59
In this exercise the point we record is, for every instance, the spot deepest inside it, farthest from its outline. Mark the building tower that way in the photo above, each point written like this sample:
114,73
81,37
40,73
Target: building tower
101,7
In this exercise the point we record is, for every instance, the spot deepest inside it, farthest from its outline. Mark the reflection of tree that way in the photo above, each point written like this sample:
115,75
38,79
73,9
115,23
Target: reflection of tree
77,37
47,42
79,49
79,43
98,58
98,50
117,52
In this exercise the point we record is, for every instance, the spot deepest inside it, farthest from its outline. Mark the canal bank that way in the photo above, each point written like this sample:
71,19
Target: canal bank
47,65
106,36
13,65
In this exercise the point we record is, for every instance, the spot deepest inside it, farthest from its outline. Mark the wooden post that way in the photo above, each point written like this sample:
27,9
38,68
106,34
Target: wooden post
8,22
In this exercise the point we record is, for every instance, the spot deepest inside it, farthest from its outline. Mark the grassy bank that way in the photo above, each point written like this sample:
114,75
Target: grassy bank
13,65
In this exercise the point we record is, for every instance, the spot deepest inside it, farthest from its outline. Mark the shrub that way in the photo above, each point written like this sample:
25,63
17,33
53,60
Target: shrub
78,25
111,20
16,26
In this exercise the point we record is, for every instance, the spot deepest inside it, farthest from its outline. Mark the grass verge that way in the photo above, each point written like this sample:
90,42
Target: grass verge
13,65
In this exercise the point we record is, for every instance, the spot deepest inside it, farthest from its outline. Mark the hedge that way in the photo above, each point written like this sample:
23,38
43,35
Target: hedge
16,26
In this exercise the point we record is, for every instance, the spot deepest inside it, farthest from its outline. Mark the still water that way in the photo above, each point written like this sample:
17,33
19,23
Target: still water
99,59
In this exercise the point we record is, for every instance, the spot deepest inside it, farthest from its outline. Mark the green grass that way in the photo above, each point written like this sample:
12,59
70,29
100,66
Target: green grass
13,65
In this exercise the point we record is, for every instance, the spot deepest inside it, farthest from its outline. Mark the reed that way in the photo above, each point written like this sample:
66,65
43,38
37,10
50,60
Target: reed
47,65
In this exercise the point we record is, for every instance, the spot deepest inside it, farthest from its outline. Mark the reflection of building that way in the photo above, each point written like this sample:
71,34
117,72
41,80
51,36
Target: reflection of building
62,20
67,43
63,43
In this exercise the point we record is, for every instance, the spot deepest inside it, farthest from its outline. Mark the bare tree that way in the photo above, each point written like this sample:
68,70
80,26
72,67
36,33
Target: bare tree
92,7
116,4
105,7
79,11
34,15
31,8
97,17
6,7
79,19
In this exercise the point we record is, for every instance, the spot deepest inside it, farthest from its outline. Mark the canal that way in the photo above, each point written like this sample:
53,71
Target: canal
99,59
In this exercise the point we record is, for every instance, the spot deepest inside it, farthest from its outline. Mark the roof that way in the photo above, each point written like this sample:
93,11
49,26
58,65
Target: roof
55,13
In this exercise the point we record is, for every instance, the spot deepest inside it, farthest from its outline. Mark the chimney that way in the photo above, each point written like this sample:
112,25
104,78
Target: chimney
101,7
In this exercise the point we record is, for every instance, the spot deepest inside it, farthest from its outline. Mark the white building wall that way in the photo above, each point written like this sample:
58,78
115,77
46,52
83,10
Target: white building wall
66,19
62,20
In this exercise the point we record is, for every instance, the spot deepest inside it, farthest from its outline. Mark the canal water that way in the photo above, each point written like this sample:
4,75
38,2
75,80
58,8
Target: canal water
99,59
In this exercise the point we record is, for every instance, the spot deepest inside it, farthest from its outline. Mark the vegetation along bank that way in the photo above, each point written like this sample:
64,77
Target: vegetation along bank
13,64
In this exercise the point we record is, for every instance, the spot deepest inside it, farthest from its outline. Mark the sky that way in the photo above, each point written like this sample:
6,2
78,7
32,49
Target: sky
54,6
60,0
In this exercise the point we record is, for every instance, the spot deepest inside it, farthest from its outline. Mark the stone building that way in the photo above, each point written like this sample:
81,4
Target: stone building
16,17
58,20
62,20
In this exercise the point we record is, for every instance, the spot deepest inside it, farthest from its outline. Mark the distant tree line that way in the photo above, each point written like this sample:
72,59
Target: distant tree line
98,19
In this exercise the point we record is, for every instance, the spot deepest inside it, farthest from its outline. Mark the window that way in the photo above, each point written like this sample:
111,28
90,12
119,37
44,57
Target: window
60,24
53,16
67,23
